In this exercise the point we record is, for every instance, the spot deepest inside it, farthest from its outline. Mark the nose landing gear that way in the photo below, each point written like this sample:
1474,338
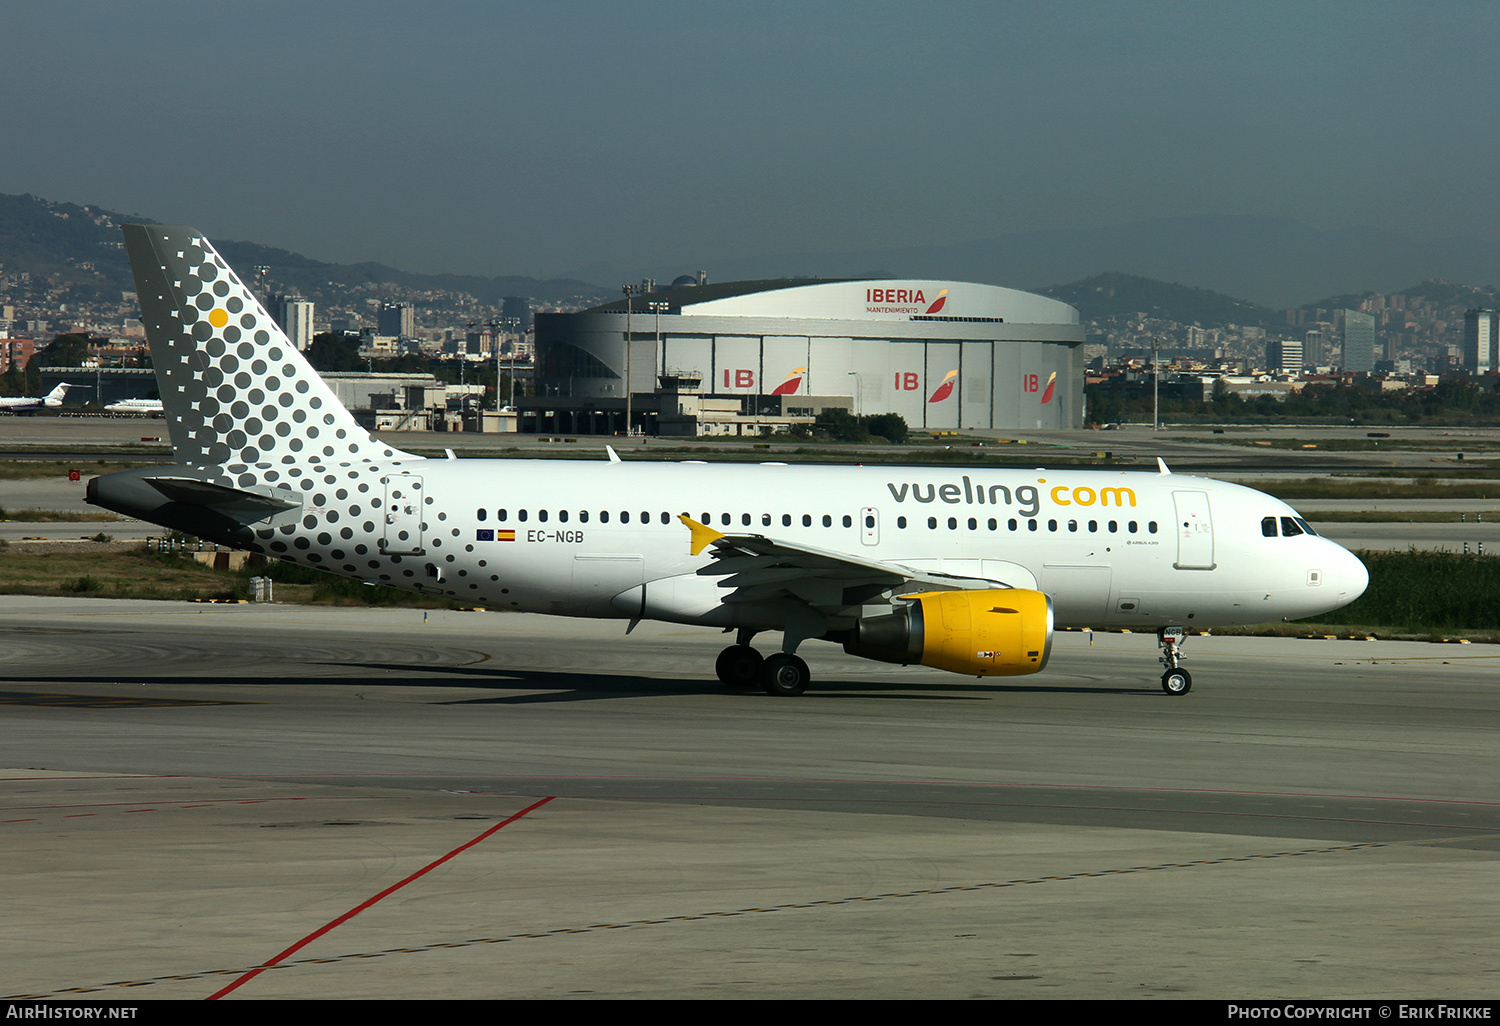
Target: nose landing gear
1176,681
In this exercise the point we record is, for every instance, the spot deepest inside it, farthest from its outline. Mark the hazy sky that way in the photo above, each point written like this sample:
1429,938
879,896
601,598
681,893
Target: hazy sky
536,138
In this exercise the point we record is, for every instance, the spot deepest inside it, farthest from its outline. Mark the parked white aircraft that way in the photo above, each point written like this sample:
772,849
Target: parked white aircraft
146,406
26,402
964,570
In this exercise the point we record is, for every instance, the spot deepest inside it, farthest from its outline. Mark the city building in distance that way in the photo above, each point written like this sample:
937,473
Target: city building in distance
1479,341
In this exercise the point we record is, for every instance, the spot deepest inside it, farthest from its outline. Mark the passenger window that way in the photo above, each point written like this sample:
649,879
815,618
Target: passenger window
932,523
848,520
807,520
1114,525
1133,526
725,518
953,523
1011,523
765,520
583,516
604,516
521,516
1073,526
786,520
624,517
827,520
1151,527
745,519
901,523
542,515
482,513
1289,528
1268,526
1052,525
1093,527
973,524
1031,525
994,524
666,518
562,516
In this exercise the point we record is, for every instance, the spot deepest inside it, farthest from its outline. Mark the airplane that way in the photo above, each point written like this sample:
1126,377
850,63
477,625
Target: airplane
26,402
969,571
148,406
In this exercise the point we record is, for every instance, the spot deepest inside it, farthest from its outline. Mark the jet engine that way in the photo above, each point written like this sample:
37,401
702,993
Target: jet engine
991,633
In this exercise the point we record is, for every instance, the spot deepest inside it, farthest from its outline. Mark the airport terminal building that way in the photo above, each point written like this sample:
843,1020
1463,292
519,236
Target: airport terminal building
743,357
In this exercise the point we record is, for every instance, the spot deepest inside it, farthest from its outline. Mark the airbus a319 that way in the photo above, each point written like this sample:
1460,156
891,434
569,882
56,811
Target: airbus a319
969,571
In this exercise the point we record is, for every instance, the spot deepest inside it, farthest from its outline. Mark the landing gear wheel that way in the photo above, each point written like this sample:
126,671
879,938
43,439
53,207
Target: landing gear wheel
738,666
1176,682
784,674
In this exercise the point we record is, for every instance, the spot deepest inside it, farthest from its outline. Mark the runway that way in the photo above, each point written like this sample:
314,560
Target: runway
190,791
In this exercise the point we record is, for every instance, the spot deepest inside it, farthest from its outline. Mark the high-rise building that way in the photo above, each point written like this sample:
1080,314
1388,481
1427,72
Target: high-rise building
1284,355
519,309
295,317
1479,341
1314,352
1359,342
396,319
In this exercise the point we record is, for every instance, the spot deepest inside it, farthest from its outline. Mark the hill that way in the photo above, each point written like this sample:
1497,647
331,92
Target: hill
1114,294
81,246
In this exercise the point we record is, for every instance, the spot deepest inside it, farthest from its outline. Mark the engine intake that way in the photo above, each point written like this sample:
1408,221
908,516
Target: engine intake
992,633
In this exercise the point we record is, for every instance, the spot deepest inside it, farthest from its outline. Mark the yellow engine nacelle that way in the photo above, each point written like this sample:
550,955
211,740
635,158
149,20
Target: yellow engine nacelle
995,633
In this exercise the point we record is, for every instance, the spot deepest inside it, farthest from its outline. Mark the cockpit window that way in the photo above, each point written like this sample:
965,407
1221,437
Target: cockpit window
1268,526
1289,528
1306,526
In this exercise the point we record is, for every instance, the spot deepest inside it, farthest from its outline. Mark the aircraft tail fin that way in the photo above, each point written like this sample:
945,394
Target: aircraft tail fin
235,390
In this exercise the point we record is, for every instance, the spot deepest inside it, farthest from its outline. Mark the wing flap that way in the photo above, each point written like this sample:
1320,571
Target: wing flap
755,568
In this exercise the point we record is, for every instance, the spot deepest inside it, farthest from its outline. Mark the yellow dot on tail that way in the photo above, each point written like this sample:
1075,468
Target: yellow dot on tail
218,318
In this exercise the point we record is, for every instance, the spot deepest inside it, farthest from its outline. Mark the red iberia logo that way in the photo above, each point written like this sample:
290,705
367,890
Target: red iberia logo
1047,395
945,389
937,304
791,382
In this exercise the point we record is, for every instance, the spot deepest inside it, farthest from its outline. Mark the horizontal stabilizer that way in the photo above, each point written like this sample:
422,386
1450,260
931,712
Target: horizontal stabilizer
201,493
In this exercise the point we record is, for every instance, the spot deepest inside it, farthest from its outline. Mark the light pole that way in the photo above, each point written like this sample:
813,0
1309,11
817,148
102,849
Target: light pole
659,307
629,290
1155,390
855,376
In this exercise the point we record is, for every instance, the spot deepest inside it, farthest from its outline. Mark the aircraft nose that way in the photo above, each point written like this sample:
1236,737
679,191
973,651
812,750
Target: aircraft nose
1350,576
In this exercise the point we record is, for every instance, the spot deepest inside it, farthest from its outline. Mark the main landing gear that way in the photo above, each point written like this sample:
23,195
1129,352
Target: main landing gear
740,666
1176,681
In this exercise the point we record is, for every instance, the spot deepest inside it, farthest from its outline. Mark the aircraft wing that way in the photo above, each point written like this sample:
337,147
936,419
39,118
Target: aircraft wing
759,568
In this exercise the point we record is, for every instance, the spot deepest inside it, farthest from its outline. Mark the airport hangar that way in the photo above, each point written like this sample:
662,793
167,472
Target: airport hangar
746,357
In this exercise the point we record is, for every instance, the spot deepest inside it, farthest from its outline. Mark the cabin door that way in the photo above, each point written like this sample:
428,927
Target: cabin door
1195,531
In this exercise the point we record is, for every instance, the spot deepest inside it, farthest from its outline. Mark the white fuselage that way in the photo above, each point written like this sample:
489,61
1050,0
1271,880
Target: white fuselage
604,539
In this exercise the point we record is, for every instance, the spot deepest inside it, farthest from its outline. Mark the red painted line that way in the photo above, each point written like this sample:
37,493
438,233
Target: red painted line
357,909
